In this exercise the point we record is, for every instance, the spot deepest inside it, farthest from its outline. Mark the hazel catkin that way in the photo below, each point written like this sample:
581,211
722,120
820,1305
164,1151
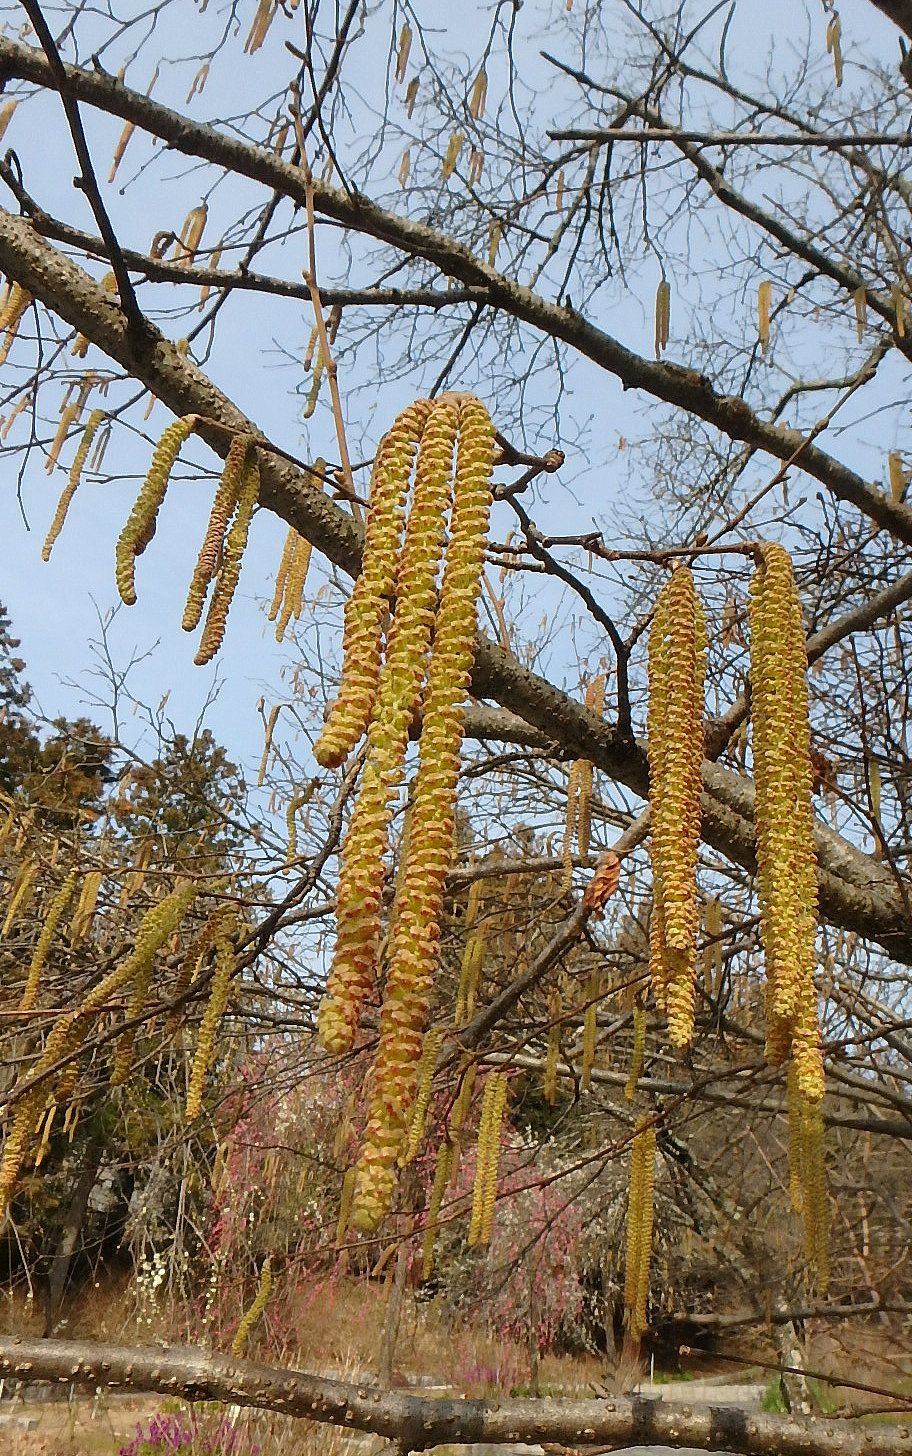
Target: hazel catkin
141,522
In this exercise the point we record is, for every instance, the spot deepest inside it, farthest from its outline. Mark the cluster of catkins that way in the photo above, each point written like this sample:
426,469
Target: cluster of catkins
786,853
225,541
423,657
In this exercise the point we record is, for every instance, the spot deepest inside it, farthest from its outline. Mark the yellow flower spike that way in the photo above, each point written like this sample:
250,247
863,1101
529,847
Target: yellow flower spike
432,1044
141,523
411,96
675,728
402,55
860,298
294,585
19,300
219,993
442,1170
419,901
72,485
487,1159
816,1204
367,606
22,888
291,826
479,95
786,853
795,1149
244,1329
229,574
639,1228
223,508
361,875
288,551
52,918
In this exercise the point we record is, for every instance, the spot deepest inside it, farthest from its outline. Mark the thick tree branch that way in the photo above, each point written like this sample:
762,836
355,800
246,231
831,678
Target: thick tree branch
856,892
684,388
417,1422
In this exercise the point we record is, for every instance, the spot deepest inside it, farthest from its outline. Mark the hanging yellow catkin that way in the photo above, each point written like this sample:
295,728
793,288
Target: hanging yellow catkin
23,885
476,166
291,827
51,919
638,1053
451,158
288,551
17,303
84,913
472,958
191,233
487,1163
69,1030
366,607
7,111
639,1228
764,301
230,570
219,993
555,1013
414,945
393,702
293,603
570,820
223,508
712,947
860,299
442,1170
786,852
265,14
141,523
411,96
815,1197
430,1051
899,309
72,485
662,316
675,745
796,1107
264,1289
590,1028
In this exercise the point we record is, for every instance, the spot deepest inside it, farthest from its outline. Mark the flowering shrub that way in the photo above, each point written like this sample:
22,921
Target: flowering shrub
189,1434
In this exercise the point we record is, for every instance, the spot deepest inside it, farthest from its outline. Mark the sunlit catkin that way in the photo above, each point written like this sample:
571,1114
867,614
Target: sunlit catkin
230,570
675,744
72,485
570,822
414,946
219,993
487,1161
264,1289
293,603
590,1028
17,303
393,704
639,1227
51,920
23,885
786,853
141,523
282,574
223,507
432,1044
84,913
367,606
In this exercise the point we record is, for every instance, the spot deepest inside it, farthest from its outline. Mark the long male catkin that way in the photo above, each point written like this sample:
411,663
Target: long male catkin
223,508
366,607
264,1289
72,485
639,1227
675,728
227,579
786,853
415,939
142,520
52,919
361,876
216,1006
